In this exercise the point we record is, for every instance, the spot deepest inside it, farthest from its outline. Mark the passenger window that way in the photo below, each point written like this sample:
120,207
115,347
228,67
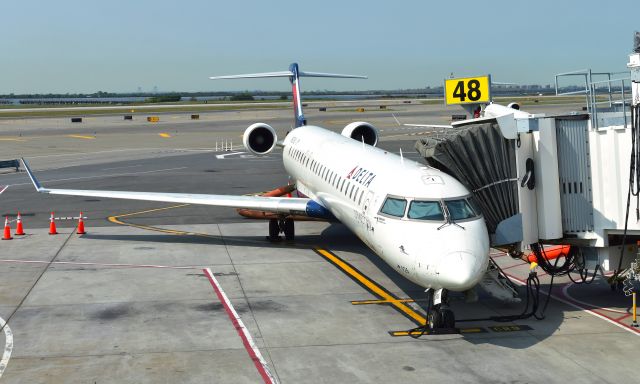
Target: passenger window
394,207
459,209
425,210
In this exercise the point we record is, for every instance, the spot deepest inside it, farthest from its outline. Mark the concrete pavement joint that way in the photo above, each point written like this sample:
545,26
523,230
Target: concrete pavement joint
4,325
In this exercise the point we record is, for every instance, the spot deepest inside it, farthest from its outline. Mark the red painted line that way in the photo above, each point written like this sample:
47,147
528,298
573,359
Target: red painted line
513,266
247,341
623,317
568,301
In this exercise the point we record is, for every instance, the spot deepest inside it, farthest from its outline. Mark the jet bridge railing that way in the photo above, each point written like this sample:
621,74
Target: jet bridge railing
607,98
615,110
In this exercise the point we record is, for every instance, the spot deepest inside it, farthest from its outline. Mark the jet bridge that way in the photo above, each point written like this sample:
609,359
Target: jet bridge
564,179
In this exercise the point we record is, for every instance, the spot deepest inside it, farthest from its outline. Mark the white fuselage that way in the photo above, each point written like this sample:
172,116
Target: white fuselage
396,206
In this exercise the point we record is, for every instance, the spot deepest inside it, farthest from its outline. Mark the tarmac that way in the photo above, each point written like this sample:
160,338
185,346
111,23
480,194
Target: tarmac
132,302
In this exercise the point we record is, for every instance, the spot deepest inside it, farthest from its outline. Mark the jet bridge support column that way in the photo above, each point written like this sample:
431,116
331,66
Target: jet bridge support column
634,67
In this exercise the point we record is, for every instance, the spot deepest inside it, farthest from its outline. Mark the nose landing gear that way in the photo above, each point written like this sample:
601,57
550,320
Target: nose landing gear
440,318
277,226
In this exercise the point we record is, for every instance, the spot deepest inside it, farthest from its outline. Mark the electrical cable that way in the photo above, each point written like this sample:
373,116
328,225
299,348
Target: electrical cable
532,301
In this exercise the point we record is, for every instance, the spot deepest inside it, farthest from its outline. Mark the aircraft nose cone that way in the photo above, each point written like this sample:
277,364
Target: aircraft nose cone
459,271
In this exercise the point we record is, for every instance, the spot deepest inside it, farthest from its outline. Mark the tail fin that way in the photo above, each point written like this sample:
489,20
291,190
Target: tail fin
294,74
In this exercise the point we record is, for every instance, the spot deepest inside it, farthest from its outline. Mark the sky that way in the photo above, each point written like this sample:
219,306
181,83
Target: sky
73,46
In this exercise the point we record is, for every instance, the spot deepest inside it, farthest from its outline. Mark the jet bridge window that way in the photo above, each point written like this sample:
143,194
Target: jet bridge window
459,209
426,210
394,207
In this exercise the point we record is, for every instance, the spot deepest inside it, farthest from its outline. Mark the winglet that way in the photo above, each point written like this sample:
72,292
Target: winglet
35,181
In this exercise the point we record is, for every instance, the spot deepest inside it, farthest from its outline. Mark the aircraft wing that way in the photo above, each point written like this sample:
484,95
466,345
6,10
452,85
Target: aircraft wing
436,126
428,125
285,205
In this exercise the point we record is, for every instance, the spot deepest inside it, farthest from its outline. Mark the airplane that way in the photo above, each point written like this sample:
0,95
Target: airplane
419,220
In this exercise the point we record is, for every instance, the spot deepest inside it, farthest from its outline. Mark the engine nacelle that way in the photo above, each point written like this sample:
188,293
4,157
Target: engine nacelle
360,131
259,139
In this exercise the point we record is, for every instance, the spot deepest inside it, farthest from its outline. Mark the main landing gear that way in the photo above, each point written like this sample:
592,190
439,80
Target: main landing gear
278,226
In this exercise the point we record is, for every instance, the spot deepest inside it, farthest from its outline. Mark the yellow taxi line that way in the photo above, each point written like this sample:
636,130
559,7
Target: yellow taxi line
371,286
351,271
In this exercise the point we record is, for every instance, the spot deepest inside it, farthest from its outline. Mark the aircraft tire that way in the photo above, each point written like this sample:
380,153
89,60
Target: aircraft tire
434,318
274,229
289,229
448,318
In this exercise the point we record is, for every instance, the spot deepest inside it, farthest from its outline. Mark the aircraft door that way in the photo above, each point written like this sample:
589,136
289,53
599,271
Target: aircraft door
368,214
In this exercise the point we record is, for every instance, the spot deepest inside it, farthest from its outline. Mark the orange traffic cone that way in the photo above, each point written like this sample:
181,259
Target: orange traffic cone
52,226
19,229
7,229
80,230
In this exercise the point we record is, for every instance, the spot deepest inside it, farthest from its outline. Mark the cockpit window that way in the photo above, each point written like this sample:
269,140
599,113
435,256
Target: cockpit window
474,205
459,209
425,210
394,207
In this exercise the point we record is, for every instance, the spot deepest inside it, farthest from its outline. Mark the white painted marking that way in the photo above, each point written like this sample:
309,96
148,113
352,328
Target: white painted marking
8,345
127,166
101,264
565,291
250,345
3,188
93,153
229,154
102,176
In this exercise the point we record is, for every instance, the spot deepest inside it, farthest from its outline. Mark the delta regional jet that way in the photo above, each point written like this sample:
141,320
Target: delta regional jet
419,220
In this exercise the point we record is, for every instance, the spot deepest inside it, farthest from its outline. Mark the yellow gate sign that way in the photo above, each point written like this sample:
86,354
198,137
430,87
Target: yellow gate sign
467,90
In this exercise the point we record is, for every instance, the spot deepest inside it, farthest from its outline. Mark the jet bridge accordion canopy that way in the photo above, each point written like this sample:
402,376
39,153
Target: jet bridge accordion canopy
483,161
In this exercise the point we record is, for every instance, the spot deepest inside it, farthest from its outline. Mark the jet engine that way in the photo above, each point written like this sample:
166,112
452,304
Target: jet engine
259,139
362,131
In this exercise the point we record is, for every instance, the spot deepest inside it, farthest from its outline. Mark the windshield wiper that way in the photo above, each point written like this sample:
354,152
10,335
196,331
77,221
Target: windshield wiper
449,220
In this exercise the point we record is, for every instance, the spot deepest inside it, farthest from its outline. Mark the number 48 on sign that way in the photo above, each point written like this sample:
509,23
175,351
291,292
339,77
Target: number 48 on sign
467,90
